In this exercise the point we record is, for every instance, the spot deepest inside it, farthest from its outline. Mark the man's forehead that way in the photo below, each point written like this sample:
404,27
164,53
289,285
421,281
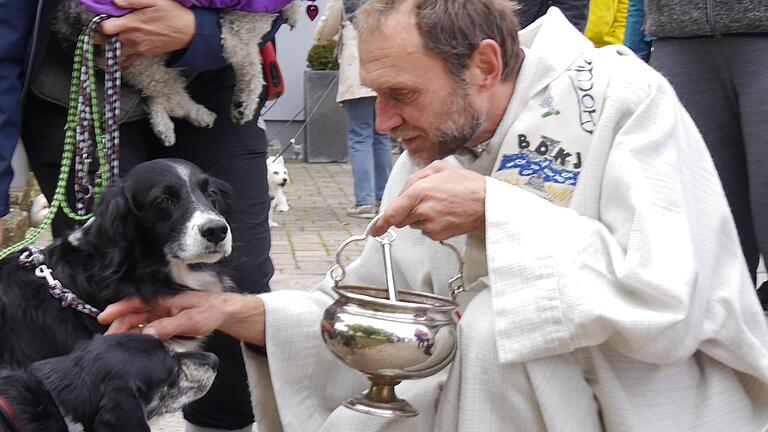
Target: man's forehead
395,41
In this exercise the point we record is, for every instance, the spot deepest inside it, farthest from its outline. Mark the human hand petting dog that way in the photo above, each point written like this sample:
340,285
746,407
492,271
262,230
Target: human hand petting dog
191,313
155,27
441,200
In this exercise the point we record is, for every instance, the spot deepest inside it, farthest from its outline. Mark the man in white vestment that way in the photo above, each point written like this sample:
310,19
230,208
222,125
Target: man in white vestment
607,289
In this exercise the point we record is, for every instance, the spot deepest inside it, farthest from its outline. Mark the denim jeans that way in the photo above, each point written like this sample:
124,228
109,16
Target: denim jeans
370,152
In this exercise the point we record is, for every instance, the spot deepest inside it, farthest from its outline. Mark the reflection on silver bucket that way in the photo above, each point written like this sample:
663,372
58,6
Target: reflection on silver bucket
389,335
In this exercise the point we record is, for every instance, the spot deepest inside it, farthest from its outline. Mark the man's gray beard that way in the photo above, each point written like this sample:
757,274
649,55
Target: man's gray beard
456,134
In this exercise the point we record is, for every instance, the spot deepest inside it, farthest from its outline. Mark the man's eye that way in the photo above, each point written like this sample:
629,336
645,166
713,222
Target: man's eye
402,96
212,193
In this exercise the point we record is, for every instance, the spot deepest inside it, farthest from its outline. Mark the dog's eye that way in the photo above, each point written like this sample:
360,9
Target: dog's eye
276,173
163,201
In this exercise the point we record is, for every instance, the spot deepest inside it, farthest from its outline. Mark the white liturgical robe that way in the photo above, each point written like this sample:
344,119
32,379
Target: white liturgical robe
608,289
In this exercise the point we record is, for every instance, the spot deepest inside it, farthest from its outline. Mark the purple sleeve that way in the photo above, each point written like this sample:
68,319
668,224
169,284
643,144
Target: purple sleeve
263,6
106,7
103,7
268,6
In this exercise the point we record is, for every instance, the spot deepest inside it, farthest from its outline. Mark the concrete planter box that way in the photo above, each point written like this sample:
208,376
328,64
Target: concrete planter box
325,135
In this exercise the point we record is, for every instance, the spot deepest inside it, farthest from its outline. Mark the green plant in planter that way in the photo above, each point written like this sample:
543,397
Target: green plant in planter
323,57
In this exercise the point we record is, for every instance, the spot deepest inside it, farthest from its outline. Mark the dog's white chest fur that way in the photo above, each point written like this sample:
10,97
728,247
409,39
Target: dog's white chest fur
199,280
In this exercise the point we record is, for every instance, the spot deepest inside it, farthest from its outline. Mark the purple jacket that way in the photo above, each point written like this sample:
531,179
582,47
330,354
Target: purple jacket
106,7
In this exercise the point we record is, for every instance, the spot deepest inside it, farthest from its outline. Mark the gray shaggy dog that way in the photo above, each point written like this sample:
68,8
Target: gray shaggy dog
164,87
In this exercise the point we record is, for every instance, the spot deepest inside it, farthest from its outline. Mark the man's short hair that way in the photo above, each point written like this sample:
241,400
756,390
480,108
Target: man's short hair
453,29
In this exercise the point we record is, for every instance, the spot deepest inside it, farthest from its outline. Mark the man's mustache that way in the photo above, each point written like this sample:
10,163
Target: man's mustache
406,133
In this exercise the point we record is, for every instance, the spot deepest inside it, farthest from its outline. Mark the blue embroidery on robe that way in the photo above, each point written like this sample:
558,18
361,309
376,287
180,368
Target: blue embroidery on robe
544,167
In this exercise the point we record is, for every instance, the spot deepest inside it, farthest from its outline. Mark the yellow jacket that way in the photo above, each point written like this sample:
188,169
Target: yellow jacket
607,21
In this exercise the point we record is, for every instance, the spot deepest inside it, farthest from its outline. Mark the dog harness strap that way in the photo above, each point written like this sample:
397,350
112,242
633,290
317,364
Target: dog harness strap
8,419
32,257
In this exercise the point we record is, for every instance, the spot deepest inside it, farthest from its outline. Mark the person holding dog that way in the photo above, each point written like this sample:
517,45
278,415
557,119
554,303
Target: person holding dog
234,153
607,290
370,152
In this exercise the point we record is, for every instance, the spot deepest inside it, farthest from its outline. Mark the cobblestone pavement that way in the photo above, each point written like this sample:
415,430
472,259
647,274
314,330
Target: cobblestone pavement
305,243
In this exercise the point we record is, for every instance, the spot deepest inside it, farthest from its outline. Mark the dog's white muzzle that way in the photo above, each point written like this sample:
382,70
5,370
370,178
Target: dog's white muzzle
206,238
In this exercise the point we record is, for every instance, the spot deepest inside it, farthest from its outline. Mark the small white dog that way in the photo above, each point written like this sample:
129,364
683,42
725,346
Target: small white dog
165,88
277,178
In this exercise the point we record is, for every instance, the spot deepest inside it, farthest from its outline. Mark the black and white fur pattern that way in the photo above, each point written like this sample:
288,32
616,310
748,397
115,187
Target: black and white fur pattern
110,384
277,179
164,87
159,231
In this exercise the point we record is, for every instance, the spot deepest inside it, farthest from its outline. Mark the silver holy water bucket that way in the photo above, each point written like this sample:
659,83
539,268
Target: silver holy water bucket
389,335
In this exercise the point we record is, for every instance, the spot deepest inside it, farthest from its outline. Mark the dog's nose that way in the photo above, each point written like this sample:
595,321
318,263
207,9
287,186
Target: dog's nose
214,231
284,182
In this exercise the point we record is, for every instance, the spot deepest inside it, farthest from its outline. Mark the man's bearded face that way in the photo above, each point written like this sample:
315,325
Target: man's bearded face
450,125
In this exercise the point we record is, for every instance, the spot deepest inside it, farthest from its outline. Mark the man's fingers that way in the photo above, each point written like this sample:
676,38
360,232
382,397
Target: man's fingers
186,323
121,308
431,169
114,26
402,211
395,213
135,4
127,323
415,178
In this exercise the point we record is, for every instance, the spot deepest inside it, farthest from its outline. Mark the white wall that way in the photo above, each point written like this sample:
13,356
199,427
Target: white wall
292,48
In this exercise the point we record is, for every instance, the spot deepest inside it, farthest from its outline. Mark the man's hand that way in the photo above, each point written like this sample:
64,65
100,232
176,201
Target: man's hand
155,27
440,200
192,313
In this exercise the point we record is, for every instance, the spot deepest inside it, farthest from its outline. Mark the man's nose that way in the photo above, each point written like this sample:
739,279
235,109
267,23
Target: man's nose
388,117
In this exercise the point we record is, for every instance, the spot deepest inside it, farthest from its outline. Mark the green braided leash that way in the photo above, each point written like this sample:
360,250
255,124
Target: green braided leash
84,118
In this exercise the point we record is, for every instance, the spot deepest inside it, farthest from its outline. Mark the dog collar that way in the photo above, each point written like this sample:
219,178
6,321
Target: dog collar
8,419
32,257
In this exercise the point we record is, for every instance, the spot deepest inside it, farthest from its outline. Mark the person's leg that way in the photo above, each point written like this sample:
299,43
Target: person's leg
696,69
382,154
43,137
359,125
237,155
747,59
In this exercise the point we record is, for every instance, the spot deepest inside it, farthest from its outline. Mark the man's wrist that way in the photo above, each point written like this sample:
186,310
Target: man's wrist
244,318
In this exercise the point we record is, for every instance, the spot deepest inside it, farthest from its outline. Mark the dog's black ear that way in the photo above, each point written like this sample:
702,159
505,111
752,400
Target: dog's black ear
119,411
112,231
114,216
220,194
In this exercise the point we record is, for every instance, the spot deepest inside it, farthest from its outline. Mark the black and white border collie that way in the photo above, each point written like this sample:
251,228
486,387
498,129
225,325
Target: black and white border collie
157,232
110,384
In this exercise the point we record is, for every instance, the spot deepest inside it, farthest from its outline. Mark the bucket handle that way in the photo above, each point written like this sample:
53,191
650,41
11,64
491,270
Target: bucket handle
338,272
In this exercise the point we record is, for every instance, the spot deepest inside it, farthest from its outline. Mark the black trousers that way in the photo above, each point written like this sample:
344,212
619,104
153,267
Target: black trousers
233,153
722,83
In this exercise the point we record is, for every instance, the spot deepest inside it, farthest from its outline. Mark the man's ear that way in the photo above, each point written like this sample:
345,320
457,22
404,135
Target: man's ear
120,410
486,65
